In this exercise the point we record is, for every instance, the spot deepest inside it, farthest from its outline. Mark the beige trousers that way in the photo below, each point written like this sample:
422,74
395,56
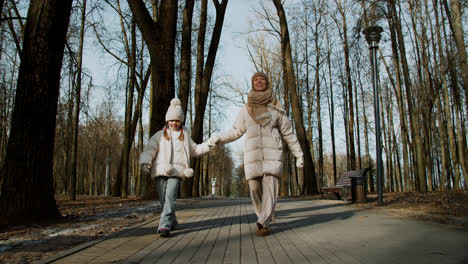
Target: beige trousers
264,192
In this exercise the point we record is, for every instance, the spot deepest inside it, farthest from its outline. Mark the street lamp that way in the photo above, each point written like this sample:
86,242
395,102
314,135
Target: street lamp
372,34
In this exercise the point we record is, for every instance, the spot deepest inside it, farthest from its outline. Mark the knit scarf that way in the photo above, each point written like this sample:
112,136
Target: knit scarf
257,103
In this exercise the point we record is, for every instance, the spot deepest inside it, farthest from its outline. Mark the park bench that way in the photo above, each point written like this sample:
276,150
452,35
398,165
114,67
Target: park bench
353,182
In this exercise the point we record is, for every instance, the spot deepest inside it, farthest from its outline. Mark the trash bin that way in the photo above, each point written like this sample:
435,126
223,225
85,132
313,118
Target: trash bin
358,189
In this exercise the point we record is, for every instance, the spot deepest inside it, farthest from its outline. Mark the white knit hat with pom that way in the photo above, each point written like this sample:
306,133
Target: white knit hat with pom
174,112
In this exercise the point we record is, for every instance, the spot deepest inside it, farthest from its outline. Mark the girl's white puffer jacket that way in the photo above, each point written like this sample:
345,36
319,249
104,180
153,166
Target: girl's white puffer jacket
263,148
159,150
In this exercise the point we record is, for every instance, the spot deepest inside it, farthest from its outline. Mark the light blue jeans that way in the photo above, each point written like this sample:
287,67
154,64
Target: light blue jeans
168,188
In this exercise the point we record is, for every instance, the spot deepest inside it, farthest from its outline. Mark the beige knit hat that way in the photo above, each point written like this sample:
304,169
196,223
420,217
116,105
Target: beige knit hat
174,112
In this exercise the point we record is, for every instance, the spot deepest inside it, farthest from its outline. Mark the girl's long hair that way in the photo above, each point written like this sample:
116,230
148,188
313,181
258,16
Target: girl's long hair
167,137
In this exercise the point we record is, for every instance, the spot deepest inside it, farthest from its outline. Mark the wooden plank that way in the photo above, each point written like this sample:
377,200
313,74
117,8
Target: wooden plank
277,251
288,244
167,243
156,241
217,253
248,254
206,247
264,255
233,252
119,249
187,236
200,231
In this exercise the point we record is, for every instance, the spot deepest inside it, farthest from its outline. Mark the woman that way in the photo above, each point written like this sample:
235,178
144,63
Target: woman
167,157
264,121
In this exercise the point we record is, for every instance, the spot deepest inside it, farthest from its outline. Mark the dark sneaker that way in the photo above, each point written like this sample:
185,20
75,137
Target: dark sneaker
164,232
174,225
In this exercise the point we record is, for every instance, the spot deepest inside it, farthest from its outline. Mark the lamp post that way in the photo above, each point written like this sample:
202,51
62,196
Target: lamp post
372,34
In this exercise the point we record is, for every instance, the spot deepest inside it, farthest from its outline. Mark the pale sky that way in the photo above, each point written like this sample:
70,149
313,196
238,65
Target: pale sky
232,58
232,61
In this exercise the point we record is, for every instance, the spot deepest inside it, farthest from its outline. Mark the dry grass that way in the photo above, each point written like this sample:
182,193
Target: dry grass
447,207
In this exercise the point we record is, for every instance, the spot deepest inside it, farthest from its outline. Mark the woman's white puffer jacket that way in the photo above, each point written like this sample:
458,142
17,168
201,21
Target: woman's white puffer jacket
263,148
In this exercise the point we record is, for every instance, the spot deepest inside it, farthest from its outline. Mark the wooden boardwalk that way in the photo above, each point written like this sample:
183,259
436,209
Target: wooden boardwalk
223,231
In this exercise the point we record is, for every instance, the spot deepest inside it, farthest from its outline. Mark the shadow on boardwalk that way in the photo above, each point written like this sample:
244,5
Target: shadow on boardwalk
304,231
291,216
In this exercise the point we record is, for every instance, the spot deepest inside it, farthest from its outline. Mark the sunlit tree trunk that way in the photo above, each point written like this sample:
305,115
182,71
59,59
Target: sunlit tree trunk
121,183
310,182
426,82
454,14
318,100
401,103
287,180
331,108
349,87
201,94
412,110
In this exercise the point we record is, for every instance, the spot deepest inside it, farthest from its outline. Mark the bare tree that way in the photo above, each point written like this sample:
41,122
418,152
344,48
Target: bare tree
310,183
415,129
159,35
186,55
350,104
454,14
76,115
27,191
203,82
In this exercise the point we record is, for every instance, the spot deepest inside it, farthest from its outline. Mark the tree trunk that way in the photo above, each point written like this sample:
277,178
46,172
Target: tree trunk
186,189
455,18
331,110
318,98
401,103
358,130
415,129
121,184
286,183
27,192
427,82
76,116
186,55
310,182
159,35
202,94
349,86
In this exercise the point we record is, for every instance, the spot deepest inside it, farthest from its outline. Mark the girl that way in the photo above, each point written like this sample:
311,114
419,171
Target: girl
167,157
265,122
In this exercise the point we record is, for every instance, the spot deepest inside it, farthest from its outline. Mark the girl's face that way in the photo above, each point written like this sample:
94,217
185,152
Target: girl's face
174,124
259,83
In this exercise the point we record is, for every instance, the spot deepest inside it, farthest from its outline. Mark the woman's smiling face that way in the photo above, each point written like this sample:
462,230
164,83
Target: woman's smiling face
259,83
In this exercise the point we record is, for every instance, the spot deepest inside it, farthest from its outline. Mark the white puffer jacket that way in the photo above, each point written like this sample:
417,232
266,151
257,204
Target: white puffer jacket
263,148
171,157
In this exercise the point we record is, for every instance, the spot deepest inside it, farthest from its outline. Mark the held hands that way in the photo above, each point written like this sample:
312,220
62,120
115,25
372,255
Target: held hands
212,141
300,162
